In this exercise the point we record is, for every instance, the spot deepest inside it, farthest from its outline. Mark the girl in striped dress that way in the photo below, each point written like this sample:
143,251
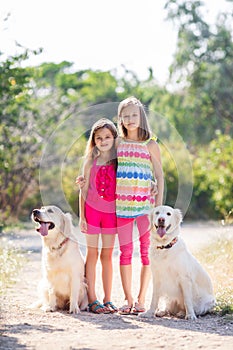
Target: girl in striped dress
139,163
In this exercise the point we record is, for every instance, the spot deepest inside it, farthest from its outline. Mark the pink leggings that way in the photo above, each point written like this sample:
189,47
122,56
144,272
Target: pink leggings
125,236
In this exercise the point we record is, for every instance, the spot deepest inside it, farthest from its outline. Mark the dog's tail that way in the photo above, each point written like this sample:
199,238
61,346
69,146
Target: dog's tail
36,305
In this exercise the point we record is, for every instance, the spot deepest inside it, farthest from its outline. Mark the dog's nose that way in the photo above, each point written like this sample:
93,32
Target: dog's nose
35,212
161,221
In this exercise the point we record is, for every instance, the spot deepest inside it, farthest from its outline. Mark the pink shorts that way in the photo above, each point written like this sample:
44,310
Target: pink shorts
100,222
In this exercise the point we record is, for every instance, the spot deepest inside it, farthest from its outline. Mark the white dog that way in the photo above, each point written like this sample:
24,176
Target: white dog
181,287
63,283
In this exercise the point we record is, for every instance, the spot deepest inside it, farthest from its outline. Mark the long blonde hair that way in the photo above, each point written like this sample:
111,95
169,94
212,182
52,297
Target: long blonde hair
92,151
144,132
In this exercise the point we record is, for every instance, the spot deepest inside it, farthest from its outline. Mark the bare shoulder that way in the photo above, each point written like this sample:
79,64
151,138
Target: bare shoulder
153,146
118,141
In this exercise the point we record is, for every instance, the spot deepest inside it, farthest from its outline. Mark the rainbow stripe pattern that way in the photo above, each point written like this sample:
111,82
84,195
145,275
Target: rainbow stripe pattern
134,175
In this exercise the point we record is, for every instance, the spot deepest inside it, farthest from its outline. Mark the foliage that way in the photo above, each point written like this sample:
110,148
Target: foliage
224,301
19,142
46,113
203,66
170,177
11,260
213,168
218,257
72,168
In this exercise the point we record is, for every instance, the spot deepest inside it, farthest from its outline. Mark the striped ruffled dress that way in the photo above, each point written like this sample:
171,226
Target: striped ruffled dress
134,175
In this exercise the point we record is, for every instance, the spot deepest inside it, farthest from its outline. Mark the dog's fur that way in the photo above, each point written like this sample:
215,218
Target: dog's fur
63,284
181,287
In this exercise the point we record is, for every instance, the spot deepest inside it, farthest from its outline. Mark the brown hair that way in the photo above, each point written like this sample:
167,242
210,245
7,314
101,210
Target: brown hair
144,132
92,151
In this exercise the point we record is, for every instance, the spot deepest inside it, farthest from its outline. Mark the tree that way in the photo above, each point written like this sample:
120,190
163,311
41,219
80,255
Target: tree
213,169
19,141
203,64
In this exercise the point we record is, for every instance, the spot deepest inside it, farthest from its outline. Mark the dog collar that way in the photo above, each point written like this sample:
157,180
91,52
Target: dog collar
61,244
171,244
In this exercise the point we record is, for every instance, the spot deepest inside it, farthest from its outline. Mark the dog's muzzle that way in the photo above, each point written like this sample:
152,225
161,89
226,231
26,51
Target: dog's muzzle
161,228
45,226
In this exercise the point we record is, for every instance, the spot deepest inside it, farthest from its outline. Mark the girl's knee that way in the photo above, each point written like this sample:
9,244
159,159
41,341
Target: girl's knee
145,238
92,256
145,260
125,260
106,254
126,256
144,251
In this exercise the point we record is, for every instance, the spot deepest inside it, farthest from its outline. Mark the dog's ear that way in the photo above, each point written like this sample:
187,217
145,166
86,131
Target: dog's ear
68,228
178,216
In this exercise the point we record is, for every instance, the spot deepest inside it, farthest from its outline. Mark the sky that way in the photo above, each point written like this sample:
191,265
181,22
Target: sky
95,34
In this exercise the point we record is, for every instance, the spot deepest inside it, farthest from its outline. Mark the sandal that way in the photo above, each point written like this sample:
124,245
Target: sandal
111,307
137,309
97,308
125,310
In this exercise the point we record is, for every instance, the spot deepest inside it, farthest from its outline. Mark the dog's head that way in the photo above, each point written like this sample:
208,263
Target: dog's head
165,220
51,219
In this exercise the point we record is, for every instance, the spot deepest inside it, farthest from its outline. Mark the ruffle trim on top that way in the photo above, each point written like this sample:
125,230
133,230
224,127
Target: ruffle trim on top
106,182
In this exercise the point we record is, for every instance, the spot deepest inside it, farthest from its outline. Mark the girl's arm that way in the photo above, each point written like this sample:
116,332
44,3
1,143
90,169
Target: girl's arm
154,150
80,181
83,196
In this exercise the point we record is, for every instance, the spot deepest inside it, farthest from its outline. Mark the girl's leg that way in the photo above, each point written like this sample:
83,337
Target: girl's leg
144,282
125,236
106,261
143,224
90,266
126,280
90,269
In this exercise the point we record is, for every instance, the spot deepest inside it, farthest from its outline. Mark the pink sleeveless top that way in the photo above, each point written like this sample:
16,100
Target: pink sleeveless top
102,188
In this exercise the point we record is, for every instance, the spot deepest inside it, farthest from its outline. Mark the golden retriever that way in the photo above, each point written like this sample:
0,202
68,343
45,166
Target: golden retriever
63,283
181,287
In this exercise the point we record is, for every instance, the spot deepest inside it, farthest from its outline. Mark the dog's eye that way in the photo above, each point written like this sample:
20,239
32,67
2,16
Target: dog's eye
157,212
50,211
169,214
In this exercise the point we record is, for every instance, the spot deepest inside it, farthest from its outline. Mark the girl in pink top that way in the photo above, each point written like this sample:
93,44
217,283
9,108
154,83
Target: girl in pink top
98,209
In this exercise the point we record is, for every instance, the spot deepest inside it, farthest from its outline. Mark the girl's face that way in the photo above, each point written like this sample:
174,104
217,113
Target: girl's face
103,139
130,116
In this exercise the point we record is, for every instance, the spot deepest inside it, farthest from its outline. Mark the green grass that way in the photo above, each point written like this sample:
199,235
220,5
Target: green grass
217,258
11,261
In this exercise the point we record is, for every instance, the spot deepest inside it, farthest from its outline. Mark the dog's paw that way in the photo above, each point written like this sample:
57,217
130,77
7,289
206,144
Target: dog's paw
191,317
181,314
147,314
74,309
160,313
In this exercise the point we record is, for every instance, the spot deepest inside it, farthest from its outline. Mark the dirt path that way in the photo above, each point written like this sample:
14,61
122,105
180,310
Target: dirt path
23,328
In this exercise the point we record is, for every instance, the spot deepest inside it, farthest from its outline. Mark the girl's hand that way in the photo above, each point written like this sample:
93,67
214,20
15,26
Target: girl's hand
80,180
153,188
83,225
